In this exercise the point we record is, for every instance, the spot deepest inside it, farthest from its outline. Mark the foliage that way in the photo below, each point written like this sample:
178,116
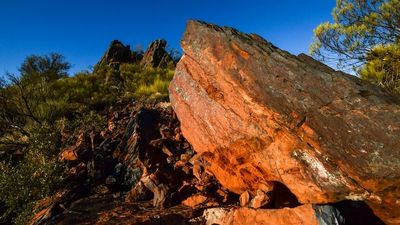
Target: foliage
358,26
149,82
30,93
363,32
42,101
83,91
26,100
37,176
48,67
157,89
383,67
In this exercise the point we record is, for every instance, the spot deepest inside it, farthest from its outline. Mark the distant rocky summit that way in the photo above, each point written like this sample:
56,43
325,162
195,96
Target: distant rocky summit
264,119
156,55
119,53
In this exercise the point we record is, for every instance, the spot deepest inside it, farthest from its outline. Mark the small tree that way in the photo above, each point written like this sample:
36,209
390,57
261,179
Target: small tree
383,67
48,67
32,90
362,30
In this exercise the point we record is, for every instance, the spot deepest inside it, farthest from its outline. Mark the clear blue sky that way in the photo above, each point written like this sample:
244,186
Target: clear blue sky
82,29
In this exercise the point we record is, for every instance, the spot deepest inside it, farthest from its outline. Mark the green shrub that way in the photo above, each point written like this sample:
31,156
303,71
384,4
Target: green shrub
158,89
383,67
36,176
146,83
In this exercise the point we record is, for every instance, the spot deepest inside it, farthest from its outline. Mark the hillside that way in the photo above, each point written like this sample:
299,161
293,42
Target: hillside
236,132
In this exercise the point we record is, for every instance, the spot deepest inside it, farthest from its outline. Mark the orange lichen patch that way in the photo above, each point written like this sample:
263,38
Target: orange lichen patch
241,52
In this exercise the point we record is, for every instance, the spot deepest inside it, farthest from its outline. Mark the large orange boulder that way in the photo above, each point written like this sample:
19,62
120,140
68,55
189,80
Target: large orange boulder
260,116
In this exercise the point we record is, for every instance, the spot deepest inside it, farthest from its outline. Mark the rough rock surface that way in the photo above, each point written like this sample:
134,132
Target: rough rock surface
305,214
156,55
118,53
194,200
260,116
105,169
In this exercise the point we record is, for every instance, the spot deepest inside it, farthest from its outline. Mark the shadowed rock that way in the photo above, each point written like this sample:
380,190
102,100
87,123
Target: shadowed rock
156,55
118,53
260,115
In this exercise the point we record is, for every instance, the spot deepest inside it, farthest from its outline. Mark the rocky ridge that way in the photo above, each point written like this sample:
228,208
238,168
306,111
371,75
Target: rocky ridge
154,56
105,172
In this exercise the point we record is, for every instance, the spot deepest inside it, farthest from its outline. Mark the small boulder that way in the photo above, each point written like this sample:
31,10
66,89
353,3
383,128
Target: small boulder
195,200
260,200
244,199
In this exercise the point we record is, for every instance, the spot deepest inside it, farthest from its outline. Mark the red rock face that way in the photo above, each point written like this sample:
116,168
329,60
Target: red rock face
257,114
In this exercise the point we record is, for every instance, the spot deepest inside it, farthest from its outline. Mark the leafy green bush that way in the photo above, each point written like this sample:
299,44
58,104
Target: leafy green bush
34,178
83,91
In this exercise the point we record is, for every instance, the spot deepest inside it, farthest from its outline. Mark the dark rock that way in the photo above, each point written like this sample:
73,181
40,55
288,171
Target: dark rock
357,213
156,55
118,53
137,147
328,215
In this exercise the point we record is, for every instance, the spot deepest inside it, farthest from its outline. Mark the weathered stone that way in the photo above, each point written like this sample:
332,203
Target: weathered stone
117,53
117,171
167,151
301,215
156,55
258,114
185,157
215,215
259,200
70,153
244,199
195,200
329,215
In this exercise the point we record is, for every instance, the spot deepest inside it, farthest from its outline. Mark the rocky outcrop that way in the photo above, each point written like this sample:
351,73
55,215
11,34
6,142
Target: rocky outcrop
138,155
156,55
260,116
118,53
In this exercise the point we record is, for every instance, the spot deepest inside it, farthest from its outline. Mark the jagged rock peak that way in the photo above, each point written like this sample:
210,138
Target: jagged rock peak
260,117
117,52
156,55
